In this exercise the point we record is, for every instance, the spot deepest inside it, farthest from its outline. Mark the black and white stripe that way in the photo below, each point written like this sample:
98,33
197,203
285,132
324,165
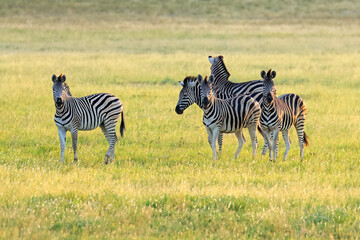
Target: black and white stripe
279,114
86,113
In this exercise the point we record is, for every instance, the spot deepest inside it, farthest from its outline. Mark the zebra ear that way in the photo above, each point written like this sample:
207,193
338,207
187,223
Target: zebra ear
63,78
181,83
273,74
199,78
211,59
53,78
263,74
211,79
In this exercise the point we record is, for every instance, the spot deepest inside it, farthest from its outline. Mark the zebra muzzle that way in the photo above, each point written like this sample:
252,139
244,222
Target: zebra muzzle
178,110
58,102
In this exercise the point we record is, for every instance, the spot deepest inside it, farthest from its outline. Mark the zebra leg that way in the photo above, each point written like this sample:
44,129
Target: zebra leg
213,134
110,134
266,135
210,136
265,148
240,137
74,136
220,141
285,135
275,143
300,133
62,136
252,132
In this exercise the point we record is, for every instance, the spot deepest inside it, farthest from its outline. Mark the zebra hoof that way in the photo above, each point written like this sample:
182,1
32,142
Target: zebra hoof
108,159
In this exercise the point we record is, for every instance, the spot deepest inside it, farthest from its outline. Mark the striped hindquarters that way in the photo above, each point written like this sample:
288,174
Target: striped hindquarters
299,110
296,104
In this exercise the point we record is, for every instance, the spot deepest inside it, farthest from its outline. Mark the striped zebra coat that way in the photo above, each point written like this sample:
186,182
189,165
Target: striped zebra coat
278,115
86,113
221,116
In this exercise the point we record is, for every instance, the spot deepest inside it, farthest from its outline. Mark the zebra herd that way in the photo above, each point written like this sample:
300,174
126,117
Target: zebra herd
229,107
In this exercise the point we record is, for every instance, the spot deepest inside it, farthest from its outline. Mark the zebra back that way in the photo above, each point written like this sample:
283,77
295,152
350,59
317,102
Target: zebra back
295,103
223,88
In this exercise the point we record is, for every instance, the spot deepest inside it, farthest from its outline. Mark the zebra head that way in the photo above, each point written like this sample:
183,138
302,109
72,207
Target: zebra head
188,94
206,93
60,89
269,86
216,60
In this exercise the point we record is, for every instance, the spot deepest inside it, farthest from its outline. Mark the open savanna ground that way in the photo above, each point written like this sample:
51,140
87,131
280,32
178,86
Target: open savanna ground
163,182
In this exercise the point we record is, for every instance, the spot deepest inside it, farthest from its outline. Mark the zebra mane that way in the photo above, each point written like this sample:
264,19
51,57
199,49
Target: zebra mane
189,79
67,89
222,65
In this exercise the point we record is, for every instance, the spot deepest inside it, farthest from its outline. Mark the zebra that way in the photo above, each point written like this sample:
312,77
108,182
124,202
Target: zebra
279,114
222,115
190,94
223,88
86,113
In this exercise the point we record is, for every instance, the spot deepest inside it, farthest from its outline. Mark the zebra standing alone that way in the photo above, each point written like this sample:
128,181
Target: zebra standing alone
279,115
86,113
221,116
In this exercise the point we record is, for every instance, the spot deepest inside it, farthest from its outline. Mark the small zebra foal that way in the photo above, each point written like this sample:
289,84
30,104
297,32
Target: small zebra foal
229,115
86,113
279,114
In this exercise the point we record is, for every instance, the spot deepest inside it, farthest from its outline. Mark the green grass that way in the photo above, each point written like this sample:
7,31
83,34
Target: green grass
163,182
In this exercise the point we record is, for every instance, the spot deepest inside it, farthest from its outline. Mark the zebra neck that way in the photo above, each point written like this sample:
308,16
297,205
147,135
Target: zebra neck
267,107
197,95
209,108
64,108
220,73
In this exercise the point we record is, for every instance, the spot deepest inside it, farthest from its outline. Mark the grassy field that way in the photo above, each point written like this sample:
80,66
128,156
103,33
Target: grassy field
163,182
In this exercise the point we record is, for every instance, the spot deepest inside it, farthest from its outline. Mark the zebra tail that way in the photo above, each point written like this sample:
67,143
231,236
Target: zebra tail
306,140
122,125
